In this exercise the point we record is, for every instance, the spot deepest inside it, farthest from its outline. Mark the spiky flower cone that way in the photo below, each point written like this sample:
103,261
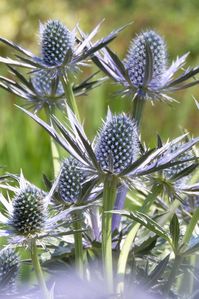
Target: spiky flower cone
135,61
117,144
56,41
29,212
70,182
42,83
176,169
9,266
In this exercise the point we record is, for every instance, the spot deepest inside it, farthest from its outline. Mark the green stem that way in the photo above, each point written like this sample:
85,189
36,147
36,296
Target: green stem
190,227
109,194
68,89
122,262
79,252
172,276
138,106
38,270
54,149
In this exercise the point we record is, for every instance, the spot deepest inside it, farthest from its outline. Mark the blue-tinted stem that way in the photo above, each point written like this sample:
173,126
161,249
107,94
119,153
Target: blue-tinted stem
119,205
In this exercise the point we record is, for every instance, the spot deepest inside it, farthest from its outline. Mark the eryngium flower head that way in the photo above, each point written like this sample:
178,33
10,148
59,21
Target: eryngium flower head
9,266
117,144
42,83
28,216
71,180
56,41
144,72
136,60
176,169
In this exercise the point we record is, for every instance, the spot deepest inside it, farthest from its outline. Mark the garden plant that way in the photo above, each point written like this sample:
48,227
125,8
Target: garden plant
119,219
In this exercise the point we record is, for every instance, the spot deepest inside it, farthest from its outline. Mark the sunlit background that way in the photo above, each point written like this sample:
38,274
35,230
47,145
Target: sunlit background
23,144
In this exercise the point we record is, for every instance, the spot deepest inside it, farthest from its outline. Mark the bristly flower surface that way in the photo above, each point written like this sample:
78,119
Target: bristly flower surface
70,181
117,144
29,212
29,215
136,59
9,268
144,72
56,42
62,51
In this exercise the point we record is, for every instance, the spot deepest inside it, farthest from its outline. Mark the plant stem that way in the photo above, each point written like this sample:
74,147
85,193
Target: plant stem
138,106
54,150
79,252
109,194
174,270
70,99
38,270
122,262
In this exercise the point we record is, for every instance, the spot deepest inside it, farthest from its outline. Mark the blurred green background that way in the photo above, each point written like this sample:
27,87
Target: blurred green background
23,144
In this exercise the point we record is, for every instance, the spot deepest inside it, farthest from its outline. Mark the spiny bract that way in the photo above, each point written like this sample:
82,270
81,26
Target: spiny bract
56,41
70,181
42,83
9,266
135,61
29,213
117,144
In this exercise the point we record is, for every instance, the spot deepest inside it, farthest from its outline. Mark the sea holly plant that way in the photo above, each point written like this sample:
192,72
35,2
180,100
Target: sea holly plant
113,208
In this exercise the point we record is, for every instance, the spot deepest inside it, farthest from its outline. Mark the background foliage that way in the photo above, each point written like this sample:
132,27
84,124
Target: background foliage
24,144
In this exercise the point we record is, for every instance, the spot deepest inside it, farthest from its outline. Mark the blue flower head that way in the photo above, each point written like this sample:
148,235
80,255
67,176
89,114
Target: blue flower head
42,83
176,169
9,267
135,61
71,180
117,144
56,41
28,215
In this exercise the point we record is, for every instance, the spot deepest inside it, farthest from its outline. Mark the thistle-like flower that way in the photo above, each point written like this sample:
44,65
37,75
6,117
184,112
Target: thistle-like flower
62,51
9,267
144,72
136,60
70,181
28,215
56,42
41,90
29,212
186,159
176,179
117,145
